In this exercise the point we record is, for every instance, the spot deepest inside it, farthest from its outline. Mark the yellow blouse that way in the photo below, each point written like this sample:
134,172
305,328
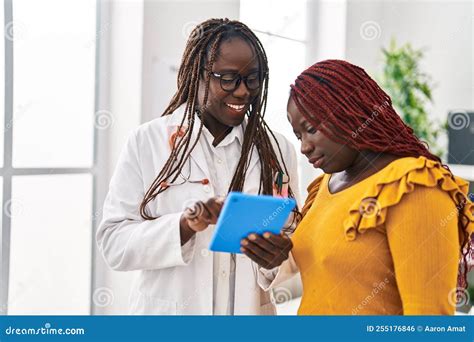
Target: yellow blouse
388,245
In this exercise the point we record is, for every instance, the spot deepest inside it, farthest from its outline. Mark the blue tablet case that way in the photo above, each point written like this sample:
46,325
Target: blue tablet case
243,214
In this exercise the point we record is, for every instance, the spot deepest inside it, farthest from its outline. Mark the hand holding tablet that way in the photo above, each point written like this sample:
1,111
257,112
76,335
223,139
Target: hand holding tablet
242,223
267,250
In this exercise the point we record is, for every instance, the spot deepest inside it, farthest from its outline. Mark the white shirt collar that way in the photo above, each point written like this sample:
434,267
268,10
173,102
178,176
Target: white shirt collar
237,132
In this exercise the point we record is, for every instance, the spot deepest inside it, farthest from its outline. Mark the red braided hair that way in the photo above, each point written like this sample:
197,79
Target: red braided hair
348,106
343,95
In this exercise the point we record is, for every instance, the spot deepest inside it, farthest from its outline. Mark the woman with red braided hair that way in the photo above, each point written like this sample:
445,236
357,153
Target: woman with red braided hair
387,229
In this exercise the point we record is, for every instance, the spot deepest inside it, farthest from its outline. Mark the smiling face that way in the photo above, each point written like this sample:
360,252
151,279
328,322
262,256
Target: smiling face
228,108
321,151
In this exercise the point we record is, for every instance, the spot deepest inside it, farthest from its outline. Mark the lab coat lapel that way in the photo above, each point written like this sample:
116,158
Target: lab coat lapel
197,154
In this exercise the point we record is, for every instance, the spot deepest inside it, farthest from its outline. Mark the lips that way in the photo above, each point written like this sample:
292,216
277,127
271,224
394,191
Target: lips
316,161
239,108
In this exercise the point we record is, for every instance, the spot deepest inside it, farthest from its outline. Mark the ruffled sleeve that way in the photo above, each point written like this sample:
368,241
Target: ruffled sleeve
397,181
313,189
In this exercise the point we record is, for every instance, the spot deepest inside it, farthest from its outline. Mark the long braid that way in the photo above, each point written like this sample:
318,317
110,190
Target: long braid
200,54
341,98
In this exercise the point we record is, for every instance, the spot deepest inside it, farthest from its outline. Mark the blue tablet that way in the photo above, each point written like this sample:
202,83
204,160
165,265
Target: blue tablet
243,214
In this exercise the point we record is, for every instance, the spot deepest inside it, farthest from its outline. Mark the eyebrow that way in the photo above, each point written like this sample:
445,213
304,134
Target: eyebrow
236,71
305,123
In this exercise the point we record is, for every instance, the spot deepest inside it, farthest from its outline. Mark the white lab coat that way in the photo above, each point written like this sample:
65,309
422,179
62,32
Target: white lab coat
171,281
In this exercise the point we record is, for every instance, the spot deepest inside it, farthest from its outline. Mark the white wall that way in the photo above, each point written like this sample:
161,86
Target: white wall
444,28
167,25
120,68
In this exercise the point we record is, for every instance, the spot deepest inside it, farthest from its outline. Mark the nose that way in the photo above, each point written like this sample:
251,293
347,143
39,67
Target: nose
241,91
306,148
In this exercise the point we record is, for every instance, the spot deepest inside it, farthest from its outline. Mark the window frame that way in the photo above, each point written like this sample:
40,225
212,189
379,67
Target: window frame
97,170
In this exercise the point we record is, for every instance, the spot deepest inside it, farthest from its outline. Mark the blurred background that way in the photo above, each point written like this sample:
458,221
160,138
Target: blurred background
79,75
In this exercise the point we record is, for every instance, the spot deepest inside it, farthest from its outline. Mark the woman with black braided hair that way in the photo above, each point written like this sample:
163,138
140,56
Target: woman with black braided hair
167,189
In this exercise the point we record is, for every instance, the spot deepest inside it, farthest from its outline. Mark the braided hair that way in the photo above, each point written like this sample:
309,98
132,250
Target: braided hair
345,98
199,56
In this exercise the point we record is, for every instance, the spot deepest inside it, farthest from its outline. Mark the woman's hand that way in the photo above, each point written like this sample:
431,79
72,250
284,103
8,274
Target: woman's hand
199,216
267,250
202,214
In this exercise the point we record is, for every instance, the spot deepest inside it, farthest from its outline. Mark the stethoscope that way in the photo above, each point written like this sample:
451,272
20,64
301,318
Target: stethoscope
280,180
179,133
182,179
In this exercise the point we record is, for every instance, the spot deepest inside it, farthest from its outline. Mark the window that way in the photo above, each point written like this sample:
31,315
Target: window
48,167
282,31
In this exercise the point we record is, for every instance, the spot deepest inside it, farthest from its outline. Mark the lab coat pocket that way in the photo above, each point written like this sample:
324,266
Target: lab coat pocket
147,305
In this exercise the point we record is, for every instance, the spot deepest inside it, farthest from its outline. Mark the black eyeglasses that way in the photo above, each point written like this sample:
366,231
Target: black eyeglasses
231,81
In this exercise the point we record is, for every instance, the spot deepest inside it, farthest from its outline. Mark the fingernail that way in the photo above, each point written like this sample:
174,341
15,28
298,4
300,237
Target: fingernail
252,237
244,242
242,249
266,235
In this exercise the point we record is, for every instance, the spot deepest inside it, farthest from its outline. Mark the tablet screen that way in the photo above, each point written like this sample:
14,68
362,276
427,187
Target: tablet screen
243,214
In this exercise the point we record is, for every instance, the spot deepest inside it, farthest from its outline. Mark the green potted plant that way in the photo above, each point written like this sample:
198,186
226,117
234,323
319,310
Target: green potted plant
410,90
